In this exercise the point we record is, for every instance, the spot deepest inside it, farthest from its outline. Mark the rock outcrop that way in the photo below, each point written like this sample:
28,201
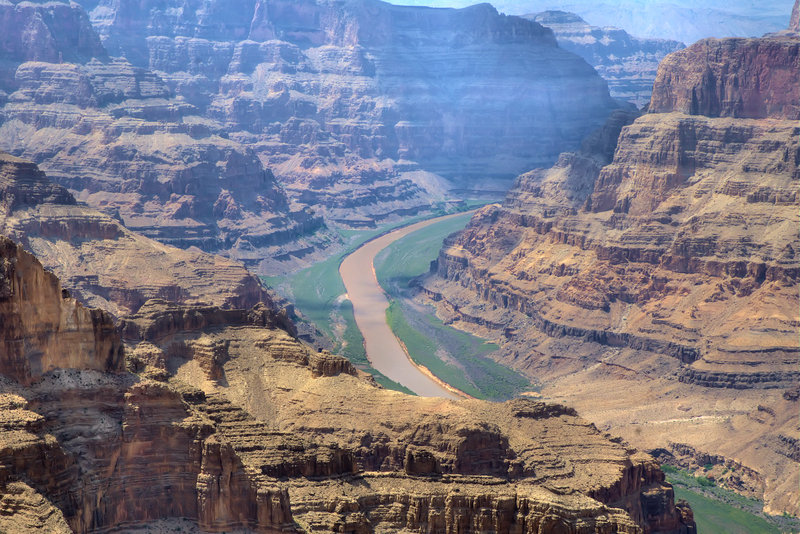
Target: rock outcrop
668,273
339,98
224,422
629,64
102,263
742,78
45,329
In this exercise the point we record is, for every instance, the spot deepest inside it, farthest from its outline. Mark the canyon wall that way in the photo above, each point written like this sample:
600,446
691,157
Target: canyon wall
741,78
667,273
45,329
118,138
216,420
629,64
178,120
103,263
344,99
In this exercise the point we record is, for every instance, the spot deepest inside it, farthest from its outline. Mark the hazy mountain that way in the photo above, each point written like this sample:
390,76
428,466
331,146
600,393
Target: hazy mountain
683,20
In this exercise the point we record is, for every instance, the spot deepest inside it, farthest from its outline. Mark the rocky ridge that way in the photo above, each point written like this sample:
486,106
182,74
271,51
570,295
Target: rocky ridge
117,137
227,422
103,263
343,99
629,64
667,274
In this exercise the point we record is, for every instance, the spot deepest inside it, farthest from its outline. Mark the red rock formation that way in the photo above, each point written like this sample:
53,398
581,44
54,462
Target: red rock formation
45,329
284,439
675,261
743,78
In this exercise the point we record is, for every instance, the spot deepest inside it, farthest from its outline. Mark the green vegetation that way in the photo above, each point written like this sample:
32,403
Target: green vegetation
316,291
430,343
411,256
718,510
458,358
713,516
705,482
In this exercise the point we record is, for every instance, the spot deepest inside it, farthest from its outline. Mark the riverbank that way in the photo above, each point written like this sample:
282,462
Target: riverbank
369,302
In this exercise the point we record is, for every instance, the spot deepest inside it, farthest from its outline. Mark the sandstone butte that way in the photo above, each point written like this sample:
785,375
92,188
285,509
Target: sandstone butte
650,280
170,115
211,417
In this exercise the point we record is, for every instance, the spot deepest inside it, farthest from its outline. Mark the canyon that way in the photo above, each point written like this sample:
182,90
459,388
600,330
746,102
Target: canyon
115,136
190,415
156,156
686,21
169,116
626,62
650,279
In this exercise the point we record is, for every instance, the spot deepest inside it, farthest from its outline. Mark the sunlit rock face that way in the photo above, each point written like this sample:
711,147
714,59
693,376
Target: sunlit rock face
627,63
212,420
664,262
326,91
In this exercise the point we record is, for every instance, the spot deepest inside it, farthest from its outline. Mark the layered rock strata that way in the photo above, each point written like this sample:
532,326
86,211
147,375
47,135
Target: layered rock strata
339,98
668,273
103,263
117,136
629,64
223,421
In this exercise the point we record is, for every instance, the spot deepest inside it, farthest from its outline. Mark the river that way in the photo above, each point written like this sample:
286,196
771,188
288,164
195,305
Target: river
384,351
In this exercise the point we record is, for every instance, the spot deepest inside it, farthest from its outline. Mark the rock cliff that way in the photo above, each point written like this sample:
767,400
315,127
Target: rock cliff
668,273
43,328
224,422
339,98
629,64
742,78
117,137
103,263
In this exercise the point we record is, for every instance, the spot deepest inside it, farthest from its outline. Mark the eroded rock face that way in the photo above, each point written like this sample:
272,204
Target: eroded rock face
116,135
340,97
43,329
62,32
629,64
742,78
226,423
102,262
672,267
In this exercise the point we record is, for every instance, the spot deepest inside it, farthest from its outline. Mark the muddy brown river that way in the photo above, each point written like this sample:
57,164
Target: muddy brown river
384,351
